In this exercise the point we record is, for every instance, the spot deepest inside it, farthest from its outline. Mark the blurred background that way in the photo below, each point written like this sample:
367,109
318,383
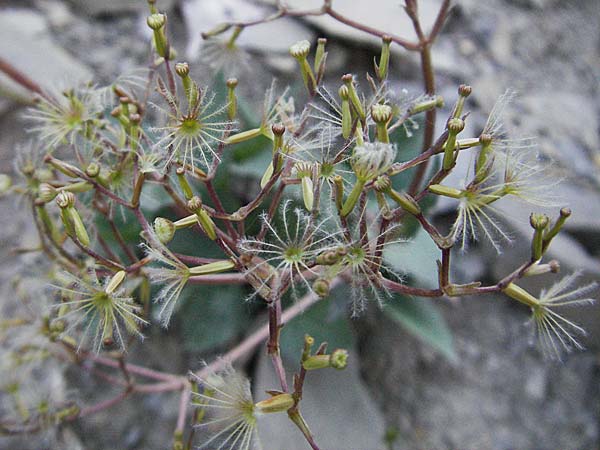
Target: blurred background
497,391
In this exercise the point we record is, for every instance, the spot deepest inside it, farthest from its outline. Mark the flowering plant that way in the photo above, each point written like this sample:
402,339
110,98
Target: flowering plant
326,208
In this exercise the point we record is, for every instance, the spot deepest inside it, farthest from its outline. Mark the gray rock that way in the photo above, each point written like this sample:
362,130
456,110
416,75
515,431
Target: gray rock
501,395
384,15
204,15
107,7
29,47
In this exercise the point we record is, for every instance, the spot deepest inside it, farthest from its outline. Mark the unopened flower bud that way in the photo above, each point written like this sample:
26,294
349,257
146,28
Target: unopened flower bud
344,94
300,49
92,170
320,55
464,90
164,229
182,69
382,183
538,221
156,21
353,96
321,287
65,199
339,359
455,126
381,113
47,192
384,60
231,98
194,203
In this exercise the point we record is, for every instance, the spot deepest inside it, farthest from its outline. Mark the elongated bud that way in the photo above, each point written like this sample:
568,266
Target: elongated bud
304,171
320,55
79,227
70,217
482,166
382,114
300,51
184,184
61,166
186,222
353,96
275,404
552,266
115,282
405,201
157,23
309,341
455,126
5,183
352,198
565,213
205,221
384,59
165,229
521,295
344,94
244,136
538,222
213,267
321,287
433,102
231,98
446,191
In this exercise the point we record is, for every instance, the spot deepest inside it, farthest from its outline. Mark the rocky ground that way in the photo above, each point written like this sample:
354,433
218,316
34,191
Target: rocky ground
500,394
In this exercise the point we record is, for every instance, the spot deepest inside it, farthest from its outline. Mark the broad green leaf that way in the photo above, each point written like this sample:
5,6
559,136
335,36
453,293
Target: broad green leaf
417,257
212,316
420,317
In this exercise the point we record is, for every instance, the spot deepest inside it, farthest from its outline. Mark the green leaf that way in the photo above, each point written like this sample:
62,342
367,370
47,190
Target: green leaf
417,257
421,318
212,316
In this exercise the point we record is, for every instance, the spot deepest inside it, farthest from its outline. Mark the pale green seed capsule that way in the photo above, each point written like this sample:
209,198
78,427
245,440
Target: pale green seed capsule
165,229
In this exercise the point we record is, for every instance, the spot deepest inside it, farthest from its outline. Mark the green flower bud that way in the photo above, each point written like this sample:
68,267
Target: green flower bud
300,51
321,287
164,229
65,199
182,69
47,192
156,21
339,359
92,170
